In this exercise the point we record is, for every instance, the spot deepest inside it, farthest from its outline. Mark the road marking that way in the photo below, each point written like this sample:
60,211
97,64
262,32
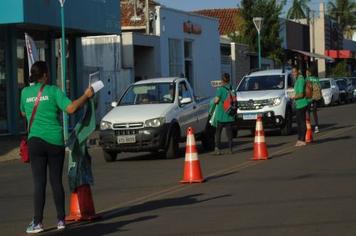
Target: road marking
178,188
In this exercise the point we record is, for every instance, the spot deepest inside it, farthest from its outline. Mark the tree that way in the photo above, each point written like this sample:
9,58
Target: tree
340,70
269,10
344,12
298,9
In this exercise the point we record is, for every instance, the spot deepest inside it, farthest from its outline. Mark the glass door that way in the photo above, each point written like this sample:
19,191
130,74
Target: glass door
23,70
3,87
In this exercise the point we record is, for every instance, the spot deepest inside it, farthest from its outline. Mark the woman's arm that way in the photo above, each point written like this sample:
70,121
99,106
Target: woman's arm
76,104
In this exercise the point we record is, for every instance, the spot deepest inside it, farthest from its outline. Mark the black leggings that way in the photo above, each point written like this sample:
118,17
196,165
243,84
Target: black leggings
228,130
302,128
41,155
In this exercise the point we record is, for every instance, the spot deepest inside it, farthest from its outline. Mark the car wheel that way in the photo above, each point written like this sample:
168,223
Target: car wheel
208,138
109,156
287,128
172,150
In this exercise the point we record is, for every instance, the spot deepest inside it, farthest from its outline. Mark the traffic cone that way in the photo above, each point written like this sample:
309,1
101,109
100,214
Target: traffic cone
81,205
192,170
309,133
260,149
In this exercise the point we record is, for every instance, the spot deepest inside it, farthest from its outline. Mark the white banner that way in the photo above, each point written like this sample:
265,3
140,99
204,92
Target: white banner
32,53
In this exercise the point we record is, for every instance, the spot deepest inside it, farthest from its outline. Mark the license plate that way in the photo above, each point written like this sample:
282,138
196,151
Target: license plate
250,116
126,139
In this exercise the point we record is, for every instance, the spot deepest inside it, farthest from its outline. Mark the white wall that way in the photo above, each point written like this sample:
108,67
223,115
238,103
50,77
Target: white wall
103,54
206,46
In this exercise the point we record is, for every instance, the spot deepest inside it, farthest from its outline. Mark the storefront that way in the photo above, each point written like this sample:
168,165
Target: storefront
41,20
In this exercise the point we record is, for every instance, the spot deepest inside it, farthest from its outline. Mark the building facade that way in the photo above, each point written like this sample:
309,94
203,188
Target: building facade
42,21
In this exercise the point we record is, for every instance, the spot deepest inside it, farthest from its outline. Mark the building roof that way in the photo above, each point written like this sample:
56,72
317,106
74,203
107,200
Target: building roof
227,18
128,11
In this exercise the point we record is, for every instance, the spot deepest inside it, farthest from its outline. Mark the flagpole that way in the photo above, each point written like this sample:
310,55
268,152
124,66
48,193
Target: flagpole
63,72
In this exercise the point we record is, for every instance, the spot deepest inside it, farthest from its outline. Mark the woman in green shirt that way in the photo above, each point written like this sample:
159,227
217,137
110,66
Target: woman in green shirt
301,104
223,119
45,140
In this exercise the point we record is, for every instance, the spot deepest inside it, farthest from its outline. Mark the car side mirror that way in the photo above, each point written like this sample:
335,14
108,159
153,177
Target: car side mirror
333,86
114,104
185,101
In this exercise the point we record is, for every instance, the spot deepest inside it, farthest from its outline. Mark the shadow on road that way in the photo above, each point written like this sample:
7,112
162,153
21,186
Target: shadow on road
100,228
326,140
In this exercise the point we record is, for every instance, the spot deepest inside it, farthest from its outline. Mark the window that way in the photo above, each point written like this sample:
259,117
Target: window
183,92
267,82
175,57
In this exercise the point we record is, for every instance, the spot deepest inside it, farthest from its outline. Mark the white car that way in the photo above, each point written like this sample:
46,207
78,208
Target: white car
330,91
266,93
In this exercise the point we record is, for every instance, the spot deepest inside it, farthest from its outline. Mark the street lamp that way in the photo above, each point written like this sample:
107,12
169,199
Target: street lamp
258,24
63,71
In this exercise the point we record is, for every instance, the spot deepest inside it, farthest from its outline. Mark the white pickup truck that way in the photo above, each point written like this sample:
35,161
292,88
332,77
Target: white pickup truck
153,115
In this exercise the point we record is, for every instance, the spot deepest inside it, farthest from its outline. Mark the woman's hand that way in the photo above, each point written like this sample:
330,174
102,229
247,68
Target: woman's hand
89,92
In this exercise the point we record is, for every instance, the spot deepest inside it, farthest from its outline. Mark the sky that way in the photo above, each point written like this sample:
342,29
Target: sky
191,5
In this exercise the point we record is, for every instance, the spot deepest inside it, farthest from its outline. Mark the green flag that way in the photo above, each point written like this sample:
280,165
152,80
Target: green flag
79,166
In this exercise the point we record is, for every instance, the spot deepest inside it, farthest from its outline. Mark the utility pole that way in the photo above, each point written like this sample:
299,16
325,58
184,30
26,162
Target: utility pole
147,14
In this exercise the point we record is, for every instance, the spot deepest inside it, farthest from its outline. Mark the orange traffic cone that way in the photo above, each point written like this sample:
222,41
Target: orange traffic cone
192,170
260,149
309,133
81,205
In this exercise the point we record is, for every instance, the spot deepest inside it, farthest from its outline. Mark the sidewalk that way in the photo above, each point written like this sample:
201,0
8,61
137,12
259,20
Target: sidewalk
10,146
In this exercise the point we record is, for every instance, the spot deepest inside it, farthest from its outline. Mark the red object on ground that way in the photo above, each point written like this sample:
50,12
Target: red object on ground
309,133
192,171
260,148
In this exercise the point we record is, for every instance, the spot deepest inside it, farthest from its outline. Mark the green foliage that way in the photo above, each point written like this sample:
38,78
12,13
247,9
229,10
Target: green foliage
344,12
340,70
269,10
298,9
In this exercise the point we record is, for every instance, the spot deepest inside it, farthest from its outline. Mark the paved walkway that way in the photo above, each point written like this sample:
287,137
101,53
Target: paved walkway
9,146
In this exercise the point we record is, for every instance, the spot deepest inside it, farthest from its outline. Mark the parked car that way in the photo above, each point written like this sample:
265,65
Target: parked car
265,93
346,91
153,115
330,91
353,83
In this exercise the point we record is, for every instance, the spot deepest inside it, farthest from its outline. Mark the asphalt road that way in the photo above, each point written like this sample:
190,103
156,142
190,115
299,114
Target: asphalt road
299,191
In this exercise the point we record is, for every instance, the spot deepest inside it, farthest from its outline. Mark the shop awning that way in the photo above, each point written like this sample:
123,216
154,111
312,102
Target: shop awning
314,55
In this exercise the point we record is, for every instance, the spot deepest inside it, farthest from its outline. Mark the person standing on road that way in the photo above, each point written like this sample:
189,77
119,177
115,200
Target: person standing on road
45,140
312,108
301,104
223,119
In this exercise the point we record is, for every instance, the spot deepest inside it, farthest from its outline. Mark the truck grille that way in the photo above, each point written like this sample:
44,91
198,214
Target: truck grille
253,104
128,125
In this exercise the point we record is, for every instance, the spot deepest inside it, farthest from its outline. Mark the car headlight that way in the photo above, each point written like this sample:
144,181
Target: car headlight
104,125
275,101
156,122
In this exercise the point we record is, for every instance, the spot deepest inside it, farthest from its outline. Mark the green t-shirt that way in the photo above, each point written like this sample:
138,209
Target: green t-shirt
221,116
299,88
46,124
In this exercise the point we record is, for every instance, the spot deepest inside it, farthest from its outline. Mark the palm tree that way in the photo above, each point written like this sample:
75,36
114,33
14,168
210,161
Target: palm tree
344,12
298,9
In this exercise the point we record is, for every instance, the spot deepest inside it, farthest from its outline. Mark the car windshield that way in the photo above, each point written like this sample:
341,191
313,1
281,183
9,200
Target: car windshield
267,82
342,84
154,93
325,84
